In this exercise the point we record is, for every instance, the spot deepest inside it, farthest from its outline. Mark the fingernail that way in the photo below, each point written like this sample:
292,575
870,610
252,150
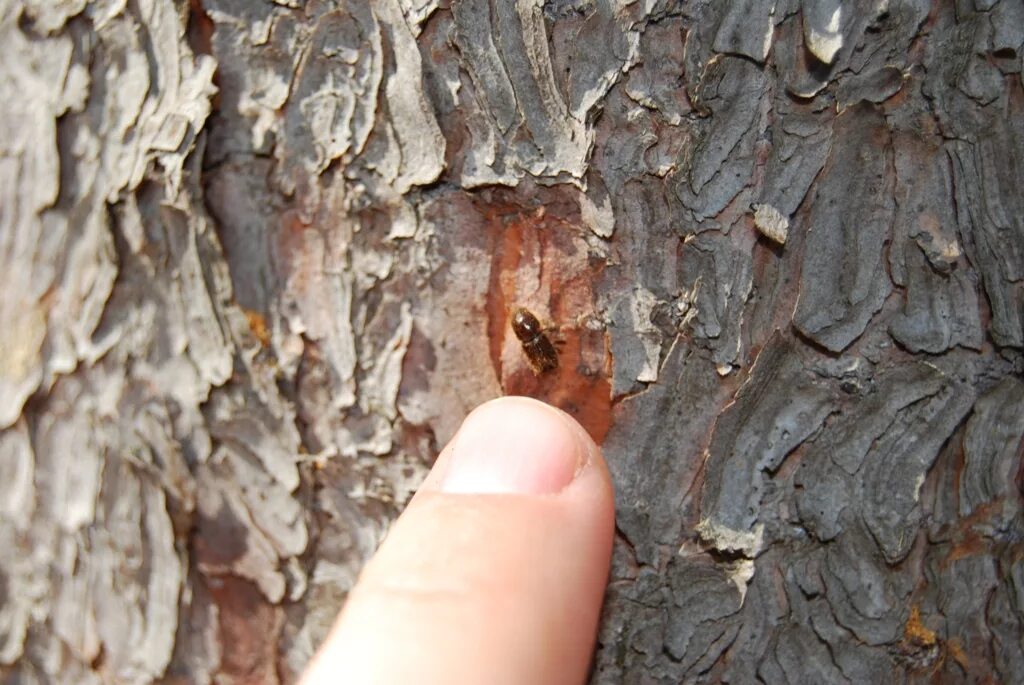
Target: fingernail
514,445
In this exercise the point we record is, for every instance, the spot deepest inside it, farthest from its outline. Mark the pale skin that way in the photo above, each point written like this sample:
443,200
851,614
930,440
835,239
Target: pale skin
496,570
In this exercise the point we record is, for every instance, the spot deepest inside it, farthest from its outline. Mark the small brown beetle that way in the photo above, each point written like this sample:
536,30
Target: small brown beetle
538,348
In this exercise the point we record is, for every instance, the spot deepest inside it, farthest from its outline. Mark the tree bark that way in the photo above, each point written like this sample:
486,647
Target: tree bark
258,259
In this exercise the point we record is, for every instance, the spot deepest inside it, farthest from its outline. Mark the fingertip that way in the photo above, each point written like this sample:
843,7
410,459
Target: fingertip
516,444
509,542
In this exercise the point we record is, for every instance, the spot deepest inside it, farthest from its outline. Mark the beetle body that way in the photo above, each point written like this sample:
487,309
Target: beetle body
536,345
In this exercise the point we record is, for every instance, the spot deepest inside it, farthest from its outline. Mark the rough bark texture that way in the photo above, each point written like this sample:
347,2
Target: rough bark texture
258,257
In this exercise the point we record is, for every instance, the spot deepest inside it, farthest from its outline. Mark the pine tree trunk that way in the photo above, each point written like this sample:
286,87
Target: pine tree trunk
258,259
